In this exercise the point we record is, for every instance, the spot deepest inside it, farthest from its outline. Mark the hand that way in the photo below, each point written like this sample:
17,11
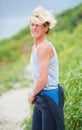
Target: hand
31,98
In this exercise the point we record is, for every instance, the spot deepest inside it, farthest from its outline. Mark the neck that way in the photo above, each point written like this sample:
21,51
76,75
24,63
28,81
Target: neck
39,40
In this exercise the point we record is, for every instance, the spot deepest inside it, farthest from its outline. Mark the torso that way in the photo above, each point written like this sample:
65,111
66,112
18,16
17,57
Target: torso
45,44
53,68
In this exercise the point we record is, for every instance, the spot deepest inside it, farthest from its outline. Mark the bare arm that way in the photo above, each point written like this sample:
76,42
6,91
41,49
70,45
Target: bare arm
44,58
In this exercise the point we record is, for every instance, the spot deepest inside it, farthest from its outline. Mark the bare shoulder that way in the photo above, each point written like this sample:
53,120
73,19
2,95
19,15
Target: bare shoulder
43,49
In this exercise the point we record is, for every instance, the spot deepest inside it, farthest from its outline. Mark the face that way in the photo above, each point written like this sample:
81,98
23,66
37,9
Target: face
37,30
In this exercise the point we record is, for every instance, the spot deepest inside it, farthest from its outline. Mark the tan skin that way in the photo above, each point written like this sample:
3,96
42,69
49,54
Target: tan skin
45,53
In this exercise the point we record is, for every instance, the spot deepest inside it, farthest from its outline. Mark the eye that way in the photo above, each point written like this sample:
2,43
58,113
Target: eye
32,24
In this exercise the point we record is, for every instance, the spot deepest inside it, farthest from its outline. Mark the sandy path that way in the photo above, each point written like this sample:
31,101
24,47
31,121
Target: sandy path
14,108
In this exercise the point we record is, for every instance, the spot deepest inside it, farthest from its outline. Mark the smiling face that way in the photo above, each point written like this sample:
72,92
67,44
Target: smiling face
37,30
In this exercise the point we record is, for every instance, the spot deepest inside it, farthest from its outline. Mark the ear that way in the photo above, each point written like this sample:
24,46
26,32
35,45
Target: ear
46,29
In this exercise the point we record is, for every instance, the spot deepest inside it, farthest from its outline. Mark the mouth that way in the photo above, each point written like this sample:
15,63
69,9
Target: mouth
35,32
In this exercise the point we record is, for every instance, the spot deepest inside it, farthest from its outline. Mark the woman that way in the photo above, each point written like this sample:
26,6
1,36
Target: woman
48,100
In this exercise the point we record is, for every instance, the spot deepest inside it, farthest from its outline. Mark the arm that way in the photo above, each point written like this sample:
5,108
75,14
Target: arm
44,58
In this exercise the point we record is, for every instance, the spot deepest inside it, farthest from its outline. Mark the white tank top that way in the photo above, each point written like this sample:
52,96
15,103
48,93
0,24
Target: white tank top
53,69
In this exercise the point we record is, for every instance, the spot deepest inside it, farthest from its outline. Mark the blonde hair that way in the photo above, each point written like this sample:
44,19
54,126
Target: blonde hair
41,16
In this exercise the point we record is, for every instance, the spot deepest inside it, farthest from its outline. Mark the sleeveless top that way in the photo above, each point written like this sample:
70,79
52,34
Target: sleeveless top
53,69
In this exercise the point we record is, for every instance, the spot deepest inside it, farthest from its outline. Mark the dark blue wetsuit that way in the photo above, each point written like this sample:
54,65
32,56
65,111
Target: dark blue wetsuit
48,115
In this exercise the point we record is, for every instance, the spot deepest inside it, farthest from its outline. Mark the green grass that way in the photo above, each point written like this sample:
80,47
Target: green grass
14,73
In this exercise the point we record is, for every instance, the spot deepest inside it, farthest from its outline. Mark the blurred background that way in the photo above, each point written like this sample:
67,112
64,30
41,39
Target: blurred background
14,14
15,48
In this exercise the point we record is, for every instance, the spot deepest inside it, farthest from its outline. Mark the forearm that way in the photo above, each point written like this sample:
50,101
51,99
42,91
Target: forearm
38,86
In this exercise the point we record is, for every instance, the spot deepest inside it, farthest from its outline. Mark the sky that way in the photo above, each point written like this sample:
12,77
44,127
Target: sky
14,13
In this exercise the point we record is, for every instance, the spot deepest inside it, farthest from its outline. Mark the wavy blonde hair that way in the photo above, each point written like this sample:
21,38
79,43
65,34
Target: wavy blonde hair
42,16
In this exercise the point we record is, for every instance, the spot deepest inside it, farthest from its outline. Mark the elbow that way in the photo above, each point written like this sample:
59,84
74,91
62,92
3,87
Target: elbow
43,82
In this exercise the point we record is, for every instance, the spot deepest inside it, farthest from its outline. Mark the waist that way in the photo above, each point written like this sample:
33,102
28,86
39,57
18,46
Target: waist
48,90
50,87
53,94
